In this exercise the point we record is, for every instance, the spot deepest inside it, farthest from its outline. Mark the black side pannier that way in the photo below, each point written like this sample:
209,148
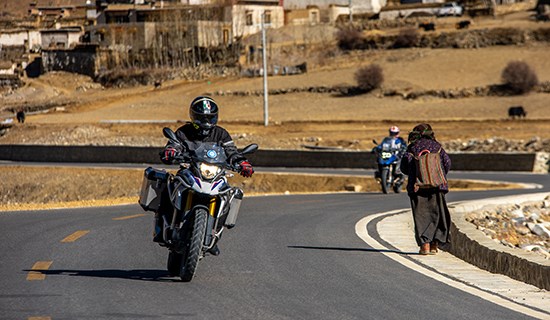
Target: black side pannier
152,189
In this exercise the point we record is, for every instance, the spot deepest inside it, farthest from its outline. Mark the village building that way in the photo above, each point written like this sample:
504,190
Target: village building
148,25
311,15
30,39
62,38
100,34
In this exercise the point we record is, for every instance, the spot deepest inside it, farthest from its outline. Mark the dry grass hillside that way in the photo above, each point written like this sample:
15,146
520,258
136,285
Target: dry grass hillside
92,114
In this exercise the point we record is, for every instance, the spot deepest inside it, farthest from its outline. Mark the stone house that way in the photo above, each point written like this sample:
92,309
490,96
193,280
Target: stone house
62,38
144,27
202,26
47,13
30,39
246,16
309,16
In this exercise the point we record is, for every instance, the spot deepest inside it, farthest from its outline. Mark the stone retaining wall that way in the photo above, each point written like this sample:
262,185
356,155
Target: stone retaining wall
474,247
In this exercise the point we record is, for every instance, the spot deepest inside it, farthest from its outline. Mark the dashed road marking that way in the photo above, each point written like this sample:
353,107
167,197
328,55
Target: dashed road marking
39,318
130,217
35,273
75,236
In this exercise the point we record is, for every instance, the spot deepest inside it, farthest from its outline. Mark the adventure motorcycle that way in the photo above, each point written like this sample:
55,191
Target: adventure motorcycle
387,159
194,205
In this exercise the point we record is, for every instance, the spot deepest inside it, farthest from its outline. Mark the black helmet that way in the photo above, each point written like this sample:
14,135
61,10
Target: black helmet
203,113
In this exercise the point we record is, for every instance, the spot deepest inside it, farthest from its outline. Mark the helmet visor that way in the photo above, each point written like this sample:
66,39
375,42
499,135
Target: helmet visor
206,120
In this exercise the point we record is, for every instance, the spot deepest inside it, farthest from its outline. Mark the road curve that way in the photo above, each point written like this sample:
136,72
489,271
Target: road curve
290,257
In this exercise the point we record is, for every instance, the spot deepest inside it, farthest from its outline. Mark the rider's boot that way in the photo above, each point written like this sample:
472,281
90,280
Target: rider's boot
400,179
215,251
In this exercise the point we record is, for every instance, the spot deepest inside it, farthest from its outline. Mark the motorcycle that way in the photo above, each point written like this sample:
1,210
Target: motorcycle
196,203
387,160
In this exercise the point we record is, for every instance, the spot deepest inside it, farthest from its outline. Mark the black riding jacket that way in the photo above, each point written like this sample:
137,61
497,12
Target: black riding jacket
219,135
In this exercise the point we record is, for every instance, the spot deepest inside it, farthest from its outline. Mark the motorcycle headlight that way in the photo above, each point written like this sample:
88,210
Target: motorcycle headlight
386,155
209,171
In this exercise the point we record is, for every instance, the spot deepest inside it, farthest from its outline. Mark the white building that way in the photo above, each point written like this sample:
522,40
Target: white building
357,6
247,18
28,38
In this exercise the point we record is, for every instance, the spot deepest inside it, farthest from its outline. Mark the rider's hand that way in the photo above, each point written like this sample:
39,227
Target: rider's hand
169,154
246,169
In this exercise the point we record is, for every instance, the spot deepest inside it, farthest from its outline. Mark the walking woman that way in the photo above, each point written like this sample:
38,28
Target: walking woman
432,220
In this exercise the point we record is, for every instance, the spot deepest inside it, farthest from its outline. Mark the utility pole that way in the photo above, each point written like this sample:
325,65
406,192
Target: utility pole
264,56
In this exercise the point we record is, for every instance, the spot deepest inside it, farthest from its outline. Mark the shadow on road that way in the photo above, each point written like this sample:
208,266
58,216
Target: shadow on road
354,249
139,274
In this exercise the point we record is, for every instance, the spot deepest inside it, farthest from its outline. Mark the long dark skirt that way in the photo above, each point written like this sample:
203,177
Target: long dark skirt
432,220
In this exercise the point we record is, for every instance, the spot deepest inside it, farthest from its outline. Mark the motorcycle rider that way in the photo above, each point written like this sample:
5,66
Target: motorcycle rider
398,146
203,127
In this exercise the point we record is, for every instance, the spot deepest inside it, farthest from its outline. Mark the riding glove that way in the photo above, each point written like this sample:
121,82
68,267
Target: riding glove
246,169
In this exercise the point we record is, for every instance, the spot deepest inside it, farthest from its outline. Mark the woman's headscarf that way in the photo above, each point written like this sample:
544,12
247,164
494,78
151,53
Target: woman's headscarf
422,130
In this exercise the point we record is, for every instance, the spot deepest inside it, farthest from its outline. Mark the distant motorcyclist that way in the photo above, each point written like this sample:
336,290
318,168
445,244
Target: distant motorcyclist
203,127
396,145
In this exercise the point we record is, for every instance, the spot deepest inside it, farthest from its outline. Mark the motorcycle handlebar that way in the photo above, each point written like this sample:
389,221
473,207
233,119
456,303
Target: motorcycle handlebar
181,158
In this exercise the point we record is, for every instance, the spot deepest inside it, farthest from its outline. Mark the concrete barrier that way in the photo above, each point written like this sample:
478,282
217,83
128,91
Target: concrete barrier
473,246
525,162
79,154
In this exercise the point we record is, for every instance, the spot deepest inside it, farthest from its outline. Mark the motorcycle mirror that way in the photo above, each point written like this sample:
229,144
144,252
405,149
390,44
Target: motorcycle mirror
250,148
374,141
168,133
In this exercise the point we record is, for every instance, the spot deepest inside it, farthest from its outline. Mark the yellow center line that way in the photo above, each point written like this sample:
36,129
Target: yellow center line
130,217
75,236
36,270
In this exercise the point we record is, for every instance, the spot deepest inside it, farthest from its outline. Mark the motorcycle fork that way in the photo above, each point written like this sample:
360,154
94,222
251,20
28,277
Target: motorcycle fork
211,224
175,217
212,207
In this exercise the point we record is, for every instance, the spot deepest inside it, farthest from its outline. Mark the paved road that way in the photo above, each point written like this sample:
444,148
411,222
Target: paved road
290,257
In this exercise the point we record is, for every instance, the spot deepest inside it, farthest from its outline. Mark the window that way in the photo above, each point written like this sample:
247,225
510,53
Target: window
267,16
313,17
249,20
225,36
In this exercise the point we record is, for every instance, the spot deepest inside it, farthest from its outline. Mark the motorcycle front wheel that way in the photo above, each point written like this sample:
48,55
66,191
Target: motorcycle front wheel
385,180
190,261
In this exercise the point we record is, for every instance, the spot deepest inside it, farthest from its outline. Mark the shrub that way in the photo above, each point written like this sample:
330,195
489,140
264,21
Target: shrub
369,78
506,36
349,38
541,34
519,77
406,38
